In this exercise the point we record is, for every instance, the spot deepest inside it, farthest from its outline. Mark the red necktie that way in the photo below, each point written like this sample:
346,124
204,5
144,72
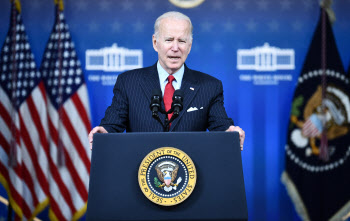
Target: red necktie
168,94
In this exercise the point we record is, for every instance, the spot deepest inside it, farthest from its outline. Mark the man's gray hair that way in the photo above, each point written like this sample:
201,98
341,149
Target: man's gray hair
172,14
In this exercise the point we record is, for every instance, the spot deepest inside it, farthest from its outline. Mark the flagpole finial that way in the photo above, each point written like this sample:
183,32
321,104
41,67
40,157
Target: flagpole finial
60,4
326,5
17,4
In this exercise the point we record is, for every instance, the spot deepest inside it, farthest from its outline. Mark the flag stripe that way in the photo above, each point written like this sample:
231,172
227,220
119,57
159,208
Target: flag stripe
82,111
29,181
76,121
63,207
54,170
3,170
5,147
62,187
56,209
84,174
15,195
34,158
67,178
12,192
5,116
41,87
76,178
39,126
39,134
75,139
72,170
29,167
5,136
83,95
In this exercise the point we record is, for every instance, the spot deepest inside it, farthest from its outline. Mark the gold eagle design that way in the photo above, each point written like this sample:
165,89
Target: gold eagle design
166,170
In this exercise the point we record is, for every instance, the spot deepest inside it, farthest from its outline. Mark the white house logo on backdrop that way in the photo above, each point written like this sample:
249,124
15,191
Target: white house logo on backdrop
111,59
265,59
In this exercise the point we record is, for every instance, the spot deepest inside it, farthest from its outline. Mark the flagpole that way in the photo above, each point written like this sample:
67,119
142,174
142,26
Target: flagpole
324,142
60,156
9,212
13,152
16,7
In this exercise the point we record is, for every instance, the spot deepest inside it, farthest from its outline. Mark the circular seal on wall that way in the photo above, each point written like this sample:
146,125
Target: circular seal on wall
167,176
186,3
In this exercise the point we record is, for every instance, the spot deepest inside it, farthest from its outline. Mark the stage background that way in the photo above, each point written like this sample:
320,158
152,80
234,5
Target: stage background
259,105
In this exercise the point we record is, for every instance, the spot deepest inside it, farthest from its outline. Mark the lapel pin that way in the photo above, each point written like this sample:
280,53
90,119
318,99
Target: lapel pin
192,88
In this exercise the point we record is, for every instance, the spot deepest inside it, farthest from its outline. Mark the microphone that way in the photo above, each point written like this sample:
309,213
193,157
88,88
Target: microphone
155,101
177,104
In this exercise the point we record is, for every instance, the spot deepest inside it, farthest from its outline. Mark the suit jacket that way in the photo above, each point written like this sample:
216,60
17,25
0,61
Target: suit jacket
132,97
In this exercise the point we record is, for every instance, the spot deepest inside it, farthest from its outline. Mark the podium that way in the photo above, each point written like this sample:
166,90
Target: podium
115,194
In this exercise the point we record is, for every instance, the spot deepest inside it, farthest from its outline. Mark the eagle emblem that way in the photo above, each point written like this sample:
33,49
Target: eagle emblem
167,173
334,120
167,176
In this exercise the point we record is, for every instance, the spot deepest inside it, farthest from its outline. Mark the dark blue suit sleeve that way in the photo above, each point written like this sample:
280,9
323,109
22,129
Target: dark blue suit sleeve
217,116
116,115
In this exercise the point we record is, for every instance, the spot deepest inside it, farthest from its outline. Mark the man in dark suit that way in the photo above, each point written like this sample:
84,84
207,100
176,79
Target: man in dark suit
203,102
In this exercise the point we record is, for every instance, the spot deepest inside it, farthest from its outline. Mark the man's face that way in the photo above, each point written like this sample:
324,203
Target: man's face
173,44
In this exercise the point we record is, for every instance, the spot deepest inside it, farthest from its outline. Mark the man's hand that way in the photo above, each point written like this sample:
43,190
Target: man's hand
241,134
97,129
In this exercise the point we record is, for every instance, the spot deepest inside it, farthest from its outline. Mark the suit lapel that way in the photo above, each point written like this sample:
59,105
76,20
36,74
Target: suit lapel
190,87
150,81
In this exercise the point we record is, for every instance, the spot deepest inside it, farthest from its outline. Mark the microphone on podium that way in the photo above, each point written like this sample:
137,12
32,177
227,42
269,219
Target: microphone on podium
176,107
156,99
177,104
155,106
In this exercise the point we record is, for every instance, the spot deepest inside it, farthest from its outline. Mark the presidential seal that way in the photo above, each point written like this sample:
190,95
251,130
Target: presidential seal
308,122
186,3
167,176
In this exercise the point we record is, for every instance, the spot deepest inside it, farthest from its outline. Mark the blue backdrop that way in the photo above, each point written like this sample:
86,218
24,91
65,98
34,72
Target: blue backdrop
255,99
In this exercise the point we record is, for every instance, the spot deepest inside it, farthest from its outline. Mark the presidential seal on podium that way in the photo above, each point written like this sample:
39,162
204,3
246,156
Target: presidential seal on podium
167,176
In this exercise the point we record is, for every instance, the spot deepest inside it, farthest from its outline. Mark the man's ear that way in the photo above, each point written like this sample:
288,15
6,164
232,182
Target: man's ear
154,41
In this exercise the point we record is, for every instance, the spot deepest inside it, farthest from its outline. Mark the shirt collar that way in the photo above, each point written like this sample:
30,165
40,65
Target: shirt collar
163,75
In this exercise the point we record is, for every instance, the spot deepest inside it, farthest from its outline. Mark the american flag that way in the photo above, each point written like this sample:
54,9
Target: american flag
23,124
69,124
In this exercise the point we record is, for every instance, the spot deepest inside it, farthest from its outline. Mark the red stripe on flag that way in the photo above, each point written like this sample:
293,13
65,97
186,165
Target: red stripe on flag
70,166
31,150
4,144
54,171
75,139
5,116
6,147
43,91
56,209
37,121
15,195
29,181
60,184
75,176
82,111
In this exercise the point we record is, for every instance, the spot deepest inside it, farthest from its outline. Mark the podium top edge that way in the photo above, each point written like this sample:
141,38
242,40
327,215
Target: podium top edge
151,133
